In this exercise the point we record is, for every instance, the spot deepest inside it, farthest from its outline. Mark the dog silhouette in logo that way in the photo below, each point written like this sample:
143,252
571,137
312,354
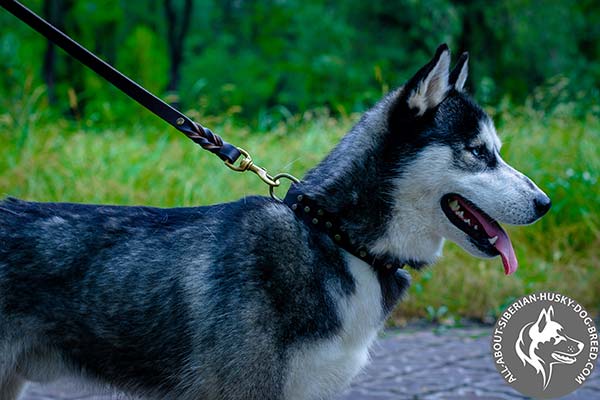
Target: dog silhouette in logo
543,343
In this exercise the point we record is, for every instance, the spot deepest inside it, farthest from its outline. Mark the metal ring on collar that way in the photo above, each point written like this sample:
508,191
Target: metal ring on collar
276,179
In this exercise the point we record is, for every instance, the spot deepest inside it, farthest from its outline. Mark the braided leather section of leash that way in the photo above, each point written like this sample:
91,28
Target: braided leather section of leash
207,139
212,142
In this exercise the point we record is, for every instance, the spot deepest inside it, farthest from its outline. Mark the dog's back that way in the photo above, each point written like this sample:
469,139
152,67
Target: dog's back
70,275
155,299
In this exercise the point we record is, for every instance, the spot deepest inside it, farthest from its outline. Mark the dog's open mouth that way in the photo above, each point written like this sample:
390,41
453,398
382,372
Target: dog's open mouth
483,230
563,358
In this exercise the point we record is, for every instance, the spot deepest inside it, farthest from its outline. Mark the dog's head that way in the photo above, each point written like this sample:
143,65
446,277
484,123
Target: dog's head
544,343
451,180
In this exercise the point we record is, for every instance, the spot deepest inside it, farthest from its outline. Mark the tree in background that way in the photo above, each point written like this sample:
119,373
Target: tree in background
177,29
54,11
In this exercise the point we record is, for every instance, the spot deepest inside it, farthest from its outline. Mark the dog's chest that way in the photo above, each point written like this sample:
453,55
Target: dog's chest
319,370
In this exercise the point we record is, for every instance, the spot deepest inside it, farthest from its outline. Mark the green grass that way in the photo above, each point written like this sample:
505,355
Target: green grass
152,164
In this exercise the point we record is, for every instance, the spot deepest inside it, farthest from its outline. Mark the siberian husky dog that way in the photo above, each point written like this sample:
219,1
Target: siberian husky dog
250,299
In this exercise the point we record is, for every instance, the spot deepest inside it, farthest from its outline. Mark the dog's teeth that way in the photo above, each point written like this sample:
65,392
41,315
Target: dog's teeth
468,221
475,227
460,214
454,205
493,240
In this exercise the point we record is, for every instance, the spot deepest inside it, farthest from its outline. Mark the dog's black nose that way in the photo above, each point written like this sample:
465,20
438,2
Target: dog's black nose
542,204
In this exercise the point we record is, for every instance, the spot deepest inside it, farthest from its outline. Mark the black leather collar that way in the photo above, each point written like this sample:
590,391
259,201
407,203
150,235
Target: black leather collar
316,217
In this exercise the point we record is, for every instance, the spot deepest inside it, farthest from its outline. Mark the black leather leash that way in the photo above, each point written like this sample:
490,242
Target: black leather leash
199,134
307,210
196,132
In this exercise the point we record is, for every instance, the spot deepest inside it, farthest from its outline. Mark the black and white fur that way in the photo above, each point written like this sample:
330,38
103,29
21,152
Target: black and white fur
243,300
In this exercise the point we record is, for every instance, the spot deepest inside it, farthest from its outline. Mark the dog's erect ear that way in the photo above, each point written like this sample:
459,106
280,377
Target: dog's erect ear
430,85
459,74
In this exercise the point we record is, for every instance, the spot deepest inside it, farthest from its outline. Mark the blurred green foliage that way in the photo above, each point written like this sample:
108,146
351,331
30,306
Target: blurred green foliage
263,60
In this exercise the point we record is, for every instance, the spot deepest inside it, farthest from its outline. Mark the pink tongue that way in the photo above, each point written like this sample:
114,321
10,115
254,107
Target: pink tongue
503,245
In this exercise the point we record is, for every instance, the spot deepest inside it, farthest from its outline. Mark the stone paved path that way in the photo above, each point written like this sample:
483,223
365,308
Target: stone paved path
424,365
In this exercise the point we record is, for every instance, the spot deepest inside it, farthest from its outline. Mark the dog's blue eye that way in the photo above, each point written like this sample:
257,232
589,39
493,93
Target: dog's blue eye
476,151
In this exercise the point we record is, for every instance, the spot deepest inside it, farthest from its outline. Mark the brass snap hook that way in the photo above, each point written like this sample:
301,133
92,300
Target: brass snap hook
246,164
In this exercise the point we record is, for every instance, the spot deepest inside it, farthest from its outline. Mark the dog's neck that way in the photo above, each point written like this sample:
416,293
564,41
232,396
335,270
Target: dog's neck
357,182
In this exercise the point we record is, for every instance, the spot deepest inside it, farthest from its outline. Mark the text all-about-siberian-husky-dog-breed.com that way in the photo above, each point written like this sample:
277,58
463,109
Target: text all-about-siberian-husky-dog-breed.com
260,298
